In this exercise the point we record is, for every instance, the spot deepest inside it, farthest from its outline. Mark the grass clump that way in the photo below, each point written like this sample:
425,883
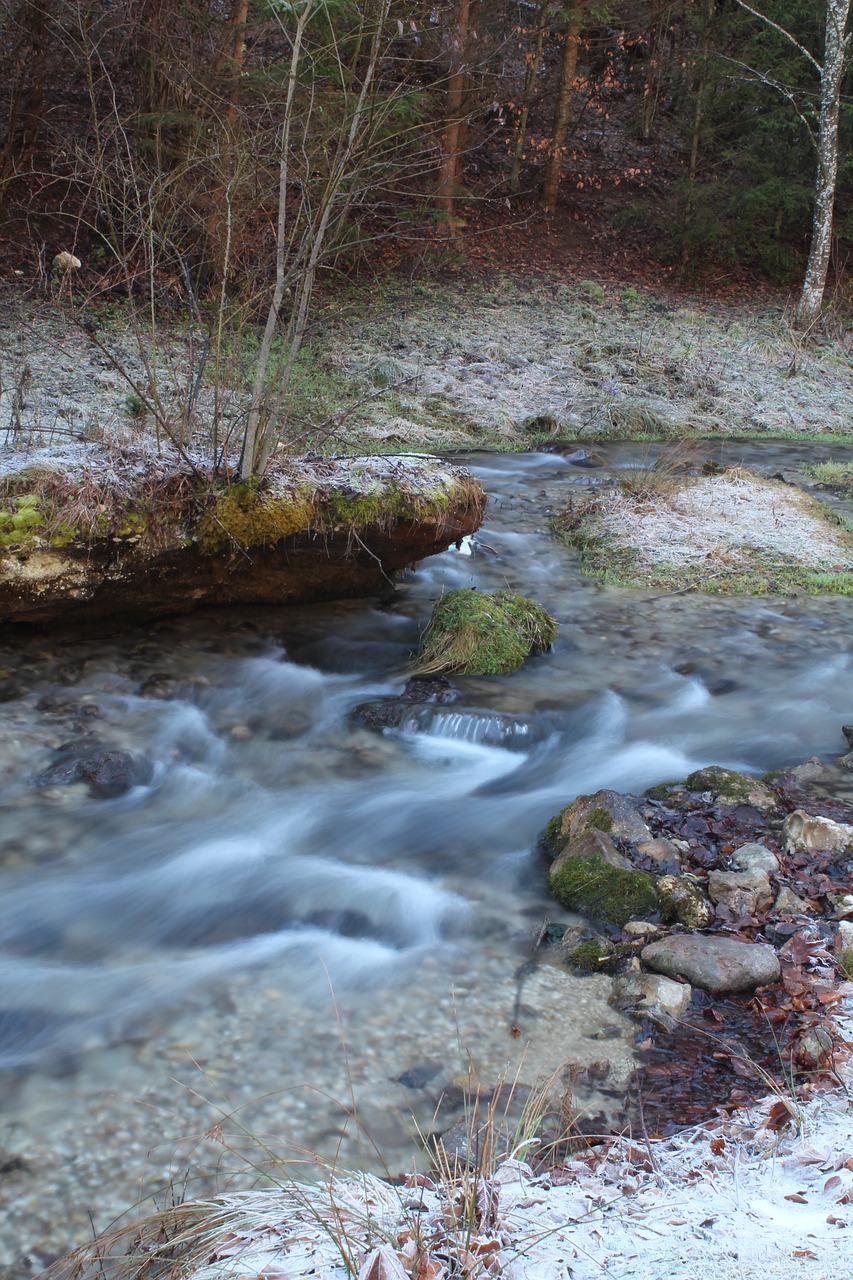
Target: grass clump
835,475
483,633
612,895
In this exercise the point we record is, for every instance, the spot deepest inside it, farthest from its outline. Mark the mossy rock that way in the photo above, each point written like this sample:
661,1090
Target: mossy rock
606,811
662,791
484,633
682,902
595,955
596,889
727,786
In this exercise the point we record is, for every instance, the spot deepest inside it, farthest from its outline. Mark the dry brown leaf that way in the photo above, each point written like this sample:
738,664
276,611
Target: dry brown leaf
382,1264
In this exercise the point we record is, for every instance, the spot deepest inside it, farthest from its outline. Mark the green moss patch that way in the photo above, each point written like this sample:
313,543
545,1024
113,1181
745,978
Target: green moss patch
245,517
602,892
19,520
595,955
484,633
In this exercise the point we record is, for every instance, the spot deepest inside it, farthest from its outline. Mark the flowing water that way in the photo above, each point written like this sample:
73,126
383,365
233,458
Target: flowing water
295,915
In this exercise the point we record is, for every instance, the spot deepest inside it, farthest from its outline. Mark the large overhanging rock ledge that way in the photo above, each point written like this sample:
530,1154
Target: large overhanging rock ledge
96,531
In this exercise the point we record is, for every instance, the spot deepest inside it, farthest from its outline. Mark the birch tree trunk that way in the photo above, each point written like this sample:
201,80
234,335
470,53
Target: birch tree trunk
568,68
836,48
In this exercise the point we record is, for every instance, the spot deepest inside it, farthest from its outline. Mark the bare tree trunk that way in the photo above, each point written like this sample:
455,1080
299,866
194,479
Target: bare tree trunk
27,97
568,68
535,57
461,38
836,48
698,124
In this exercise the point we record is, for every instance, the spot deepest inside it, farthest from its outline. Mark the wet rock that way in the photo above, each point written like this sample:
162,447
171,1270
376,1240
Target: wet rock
847,730
789,904
682,901
606,811
590,952
468,1145
815,1045
640,928
436,689
739,893
713,962
595,888
108,773
726,786
166,688
661,852
590,844
754,858
383,714
648,995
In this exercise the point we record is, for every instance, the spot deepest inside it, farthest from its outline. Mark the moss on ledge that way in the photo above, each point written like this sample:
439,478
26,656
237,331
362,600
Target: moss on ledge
243,516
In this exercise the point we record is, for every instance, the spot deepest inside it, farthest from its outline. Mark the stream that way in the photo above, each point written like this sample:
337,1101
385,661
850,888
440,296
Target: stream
318,928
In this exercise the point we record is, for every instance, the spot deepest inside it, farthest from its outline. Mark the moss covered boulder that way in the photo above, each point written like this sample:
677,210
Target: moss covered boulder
597,889
607,811
484,633
727,786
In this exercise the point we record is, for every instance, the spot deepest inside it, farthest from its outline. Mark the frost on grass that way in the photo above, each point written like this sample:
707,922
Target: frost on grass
733,532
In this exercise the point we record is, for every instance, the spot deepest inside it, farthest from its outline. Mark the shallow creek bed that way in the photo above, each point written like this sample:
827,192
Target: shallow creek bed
260,902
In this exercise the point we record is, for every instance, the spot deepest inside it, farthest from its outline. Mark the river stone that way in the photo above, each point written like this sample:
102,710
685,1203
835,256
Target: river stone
713,962
592,842
788,904
661,852
740,893
607,811
729,787
108,773
648,995
755,857
802,832
681,900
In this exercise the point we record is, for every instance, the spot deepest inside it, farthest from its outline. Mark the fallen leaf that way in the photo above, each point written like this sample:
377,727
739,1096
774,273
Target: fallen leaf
797,1198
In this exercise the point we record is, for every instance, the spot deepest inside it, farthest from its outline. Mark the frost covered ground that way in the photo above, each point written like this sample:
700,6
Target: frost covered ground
441,365
769,1193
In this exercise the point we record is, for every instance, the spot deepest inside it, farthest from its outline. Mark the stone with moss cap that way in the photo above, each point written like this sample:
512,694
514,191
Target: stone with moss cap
604,810
483,633
595,888
727,786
